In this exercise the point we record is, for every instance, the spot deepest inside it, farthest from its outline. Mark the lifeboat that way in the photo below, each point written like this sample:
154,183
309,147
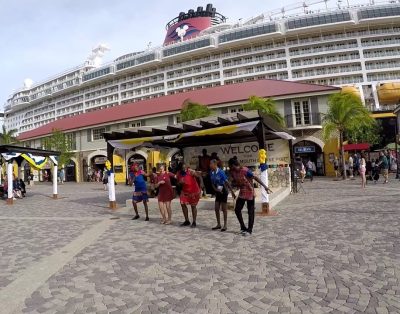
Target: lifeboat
352,90
388,93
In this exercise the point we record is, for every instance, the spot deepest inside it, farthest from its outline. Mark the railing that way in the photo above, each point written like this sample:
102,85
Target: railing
303,120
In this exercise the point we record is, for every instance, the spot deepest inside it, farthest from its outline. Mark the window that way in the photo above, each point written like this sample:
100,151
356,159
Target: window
97,134
302,112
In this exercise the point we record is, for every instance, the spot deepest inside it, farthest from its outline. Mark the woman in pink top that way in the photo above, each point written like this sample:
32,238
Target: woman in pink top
165,194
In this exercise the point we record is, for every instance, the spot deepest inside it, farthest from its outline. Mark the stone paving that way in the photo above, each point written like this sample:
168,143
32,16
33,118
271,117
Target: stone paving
335,249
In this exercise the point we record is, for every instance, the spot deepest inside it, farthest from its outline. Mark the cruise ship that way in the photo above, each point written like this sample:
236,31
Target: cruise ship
325,42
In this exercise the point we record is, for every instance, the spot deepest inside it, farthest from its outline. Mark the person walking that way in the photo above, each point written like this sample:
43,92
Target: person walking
311,169
62,175
190,192
243,178
138,179
165,194
336,166
221,186
362,170
351,167
384,165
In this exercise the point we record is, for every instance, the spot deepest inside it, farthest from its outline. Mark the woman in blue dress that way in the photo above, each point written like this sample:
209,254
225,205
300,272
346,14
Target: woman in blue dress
138,180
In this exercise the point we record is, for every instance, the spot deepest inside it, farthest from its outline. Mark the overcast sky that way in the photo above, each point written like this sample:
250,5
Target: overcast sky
41,38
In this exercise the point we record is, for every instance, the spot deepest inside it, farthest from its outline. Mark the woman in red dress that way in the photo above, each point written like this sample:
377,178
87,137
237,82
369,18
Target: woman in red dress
165,194
190,193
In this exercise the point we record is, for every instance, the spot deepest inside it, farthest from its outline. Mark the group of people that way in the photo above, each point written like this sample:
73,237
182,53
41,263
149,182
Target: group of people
304,170
19,188
367,169
190,187
370,169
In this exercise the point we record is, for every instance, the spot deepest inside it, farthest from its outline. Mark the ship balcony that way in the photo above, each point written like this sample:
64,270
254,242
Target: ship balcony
304,121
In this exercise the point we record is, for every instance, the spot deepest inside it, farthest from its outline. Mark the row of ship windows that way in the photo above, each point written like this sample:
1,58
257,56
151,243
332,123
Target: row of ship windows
353,79
326,70
325,59
256,69
192,70
322,48
141,82
256,58
194,80
142,91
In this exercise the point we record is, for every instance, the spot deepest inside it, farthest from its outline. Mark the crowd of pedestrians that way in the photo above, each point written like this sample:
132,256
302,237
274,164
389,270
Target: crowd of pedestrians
191,184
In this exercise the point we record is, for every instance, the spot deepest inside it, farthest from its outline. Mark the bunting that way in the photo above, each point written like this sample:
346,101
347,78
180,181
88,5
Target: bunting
36,161
228,129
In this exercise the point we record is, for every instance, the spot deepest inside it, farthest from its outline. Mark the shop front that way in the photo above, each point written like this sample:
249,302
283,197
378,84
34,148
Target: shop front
138,159
70,171
308,150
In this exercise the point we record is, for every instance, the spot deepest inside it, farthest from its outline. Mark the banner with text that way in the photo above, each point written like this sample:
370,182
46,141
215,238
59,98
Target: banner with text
247,153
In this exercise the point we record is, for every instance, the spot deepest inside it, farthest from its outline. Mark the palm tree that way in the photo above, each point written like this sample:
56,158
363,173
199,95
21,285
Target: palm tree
192,110
8,137
345,113
266,106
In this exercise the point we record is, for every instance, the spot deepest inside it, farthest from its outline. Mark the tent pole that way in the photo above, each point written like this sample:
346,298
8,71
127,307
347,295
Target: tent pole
10,196
292,167
111,178
266,210
55,182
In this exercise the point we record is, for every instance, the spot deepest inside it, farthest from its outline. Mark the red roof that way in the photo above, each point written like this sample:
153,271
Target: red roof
360,146
208,96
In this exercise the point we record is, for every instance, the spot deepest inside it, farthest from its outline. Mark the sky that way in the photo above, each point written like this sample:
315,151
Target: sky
41,38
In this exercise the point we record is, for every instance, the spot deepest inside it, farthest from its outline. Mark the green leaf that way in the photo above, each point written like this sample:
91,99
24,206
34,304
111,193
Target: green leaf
265,105
191,111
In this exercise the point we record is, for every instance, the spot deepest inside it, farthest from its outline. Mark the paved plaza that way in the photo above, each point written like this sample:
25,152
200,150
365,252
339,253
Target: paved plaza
335,249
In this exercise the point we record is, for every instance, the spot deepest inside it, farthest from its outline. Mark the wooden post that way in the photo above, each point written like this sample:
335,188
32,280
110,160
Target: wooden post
111,179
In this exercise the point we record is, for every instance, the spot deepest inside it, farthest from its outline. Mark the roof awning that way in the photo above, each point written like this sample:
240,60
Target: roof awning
360,146
36,157
222,129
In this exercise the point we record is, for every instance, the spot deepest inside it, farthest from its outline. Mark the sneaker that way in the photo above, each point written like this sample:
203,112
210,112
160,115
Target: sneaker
223,229
216,228
185,224
136,217
147,219
193,225
242,232
246,234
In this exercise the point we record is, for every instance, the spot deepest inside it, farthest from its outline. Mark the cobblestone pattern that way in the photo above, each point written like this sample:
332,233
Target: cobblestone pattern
335,249
23,242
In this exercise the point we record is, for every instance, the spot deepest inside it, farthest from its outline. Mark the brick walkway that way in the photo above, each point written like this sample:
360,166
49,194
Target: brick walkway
335,249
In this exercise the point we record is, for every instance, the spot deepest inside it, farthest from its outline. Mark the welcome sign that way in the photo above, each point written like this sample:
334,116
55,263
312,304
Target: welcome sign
247,153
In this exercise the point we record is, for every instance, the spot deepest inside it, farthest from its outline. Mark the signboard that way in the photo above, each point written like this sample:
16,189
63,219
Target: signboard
304,149
118,168
247,153
100,160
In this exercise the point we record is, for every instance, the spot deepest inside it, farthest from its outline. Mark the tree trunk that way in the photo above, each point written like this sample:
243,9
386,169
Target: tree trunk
342,156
